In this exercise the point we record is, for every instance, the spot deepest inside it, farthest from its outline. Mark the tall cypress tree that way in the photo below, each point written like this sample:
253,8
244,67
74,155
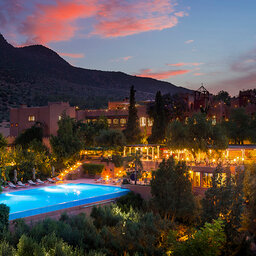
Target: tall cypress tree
132,131
160,124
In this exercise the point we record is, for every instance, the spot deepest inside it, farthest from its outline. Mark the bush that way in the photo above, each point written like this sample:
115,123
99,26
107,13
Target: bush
4,217
117,160
130,200
92,169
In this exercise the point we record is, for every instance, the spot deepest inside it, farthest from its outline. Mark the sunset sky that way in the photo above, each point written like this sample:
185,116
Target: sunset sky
185,42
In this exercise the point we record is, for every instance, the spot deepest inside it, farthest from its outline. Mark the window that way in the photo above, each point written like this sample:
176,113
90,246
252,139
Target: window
16,124
12,125
59,118
115,121
150,122
94,120
109,121
207,180
214,121
143,121
122,121
196,181
31,118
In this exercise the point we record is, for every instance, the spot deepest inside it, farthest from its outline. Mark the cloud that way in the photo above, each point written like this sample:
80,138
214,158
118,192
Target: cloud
161,74
59,20
72,55
180,64
243,71
189,41
199,74
124,18
56,22
126,58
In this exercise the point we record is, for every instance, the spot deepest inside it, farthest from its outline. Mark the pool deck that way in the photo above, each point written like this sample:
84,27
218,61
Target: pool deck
86,181
72,210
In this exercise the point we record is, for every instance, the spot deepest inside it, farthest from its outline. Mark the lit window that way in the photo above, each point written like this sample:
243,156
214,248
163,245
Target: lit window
122,121
143,121
109,121
214,121
115,121
150,122
12,125
59,118
94,120
196,180
207,180
16,124
31,118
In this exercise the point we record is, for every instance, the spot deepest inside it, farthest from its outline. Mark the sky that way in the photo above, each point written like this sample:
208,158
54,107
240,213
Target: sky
185,42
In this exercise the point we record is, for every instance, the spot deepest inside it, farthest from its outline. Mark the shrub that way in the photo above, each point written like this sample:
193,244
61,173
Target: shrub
4,217
130,200
92,169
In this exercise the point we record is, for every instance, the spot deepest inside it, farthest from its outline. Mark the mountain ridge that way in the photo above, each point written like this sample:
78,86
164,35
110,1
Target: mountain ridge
35,74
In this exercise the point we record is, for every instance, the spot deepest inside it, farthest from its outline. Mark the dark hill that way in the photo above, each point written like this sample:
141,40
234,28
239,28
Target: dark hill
36,74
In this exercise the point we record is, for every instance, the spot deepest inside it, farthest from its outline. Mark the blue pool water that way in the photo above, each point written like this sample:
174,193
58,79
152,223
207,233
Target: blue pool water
30,202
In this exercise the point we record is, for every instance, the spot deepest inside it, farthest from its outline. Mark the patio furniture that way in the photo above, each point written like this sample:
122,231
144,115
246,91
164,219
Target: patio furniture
57,179
30,182
51,180
11,185
99,180
39,181
21,184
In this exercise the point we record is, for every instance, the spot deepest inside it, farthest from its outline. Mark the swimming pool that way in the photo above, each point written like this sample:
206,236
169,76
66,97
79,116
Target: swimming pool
25,203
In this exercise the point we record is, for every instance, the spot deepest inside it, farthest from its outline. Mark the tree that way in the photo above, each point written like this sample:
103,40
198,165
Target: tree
199,133
160,122
207,241
225,200
67,143
132,131
89,131
249,215
238,126
171,190
3,142
110,139
4,218
223,96
30,134
177,135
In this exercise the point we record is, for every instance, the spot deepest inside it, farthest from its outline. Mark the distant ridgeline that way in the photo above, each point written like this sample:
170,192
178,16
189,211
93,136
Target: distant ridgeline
35,75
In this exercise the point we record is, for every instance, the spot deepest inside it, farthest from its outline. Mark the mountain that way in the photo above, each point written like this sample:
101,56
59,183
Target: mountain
35,74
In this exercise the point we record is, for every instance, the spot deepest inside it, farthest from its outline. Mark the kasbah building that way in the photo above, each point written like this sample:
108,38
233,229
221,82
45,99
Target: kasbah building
116,115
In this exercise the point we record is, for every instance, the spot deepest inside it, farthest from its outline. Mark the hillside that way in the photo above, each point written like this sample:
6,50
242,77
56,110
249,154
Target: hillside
35,74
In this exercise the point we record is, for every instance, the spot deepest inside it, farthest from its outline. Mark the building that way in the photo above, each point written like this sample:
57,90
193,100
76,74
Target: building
117,115
48,116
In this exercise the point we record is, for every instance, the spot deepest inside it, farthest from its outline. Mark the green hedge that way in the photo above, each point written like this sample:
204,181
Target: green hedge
93,169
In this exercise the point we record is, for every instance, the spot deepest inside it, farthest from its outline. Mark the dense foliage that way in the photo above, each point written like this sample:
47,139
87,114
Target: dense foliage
92,169
132,130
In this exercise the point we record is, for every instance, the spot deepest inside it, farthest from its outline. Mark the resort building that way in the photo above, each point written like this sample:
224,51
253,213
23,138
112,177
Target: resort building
48,116
117,115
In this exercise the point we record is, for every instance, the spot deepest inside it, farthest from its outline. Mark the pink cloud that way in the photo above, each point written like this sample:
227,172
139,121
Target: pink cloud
189,41
181,14
57,20
161,74
180,64
123,18
198,74
72,55
127,58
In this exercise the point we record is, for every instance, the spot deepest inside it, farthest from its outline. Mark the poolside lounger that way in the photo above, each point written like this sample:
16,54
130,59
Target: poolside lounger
99,180
39,181
51,180
11,185
21,184
3,188
30,182
57,179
